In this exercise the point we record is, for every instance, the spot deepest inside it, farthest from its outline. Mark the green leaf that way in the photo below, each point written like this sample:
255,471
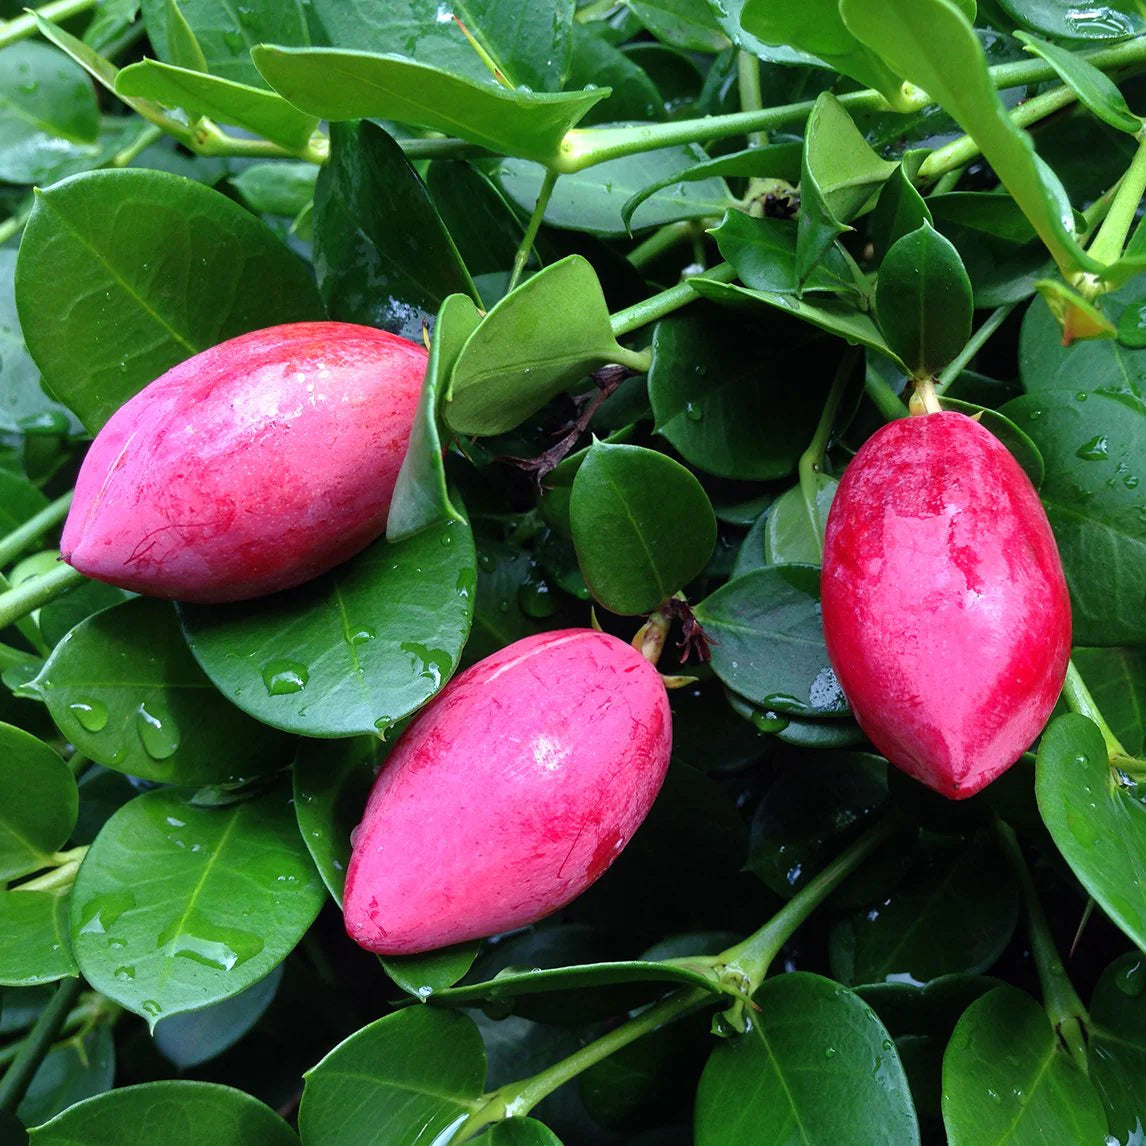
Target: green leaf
227,32
80,1068
19,501
1096,91
369,270
596,199
596,61
642,525
791,536
417,1073
177,906
422,975
728,14
276,188
1092,445
836,316
840,174
339,84
1097,819
150,268
933,44
253,108
123,688
518,1132
955,912
815,1066
40,802
518,357
1006,1079
352,651
769,643
481,222
818,29
48,114
185,49
923,301
34,946
1076,314
1117,1044
899,210
529,45
176,1113
1088,20
687,24
421,498
1116,679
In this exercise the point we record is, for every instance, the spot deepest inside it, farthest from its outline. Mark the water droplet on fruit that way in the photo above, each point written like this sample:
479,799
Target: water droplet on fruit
1131,979
100,913
221,948
92,714
693,412
283,677
157,731
1095,450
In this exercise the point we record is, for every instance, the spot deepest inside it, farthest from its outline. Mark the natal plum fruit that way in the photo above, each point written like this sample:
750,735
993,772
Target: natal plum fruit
509,794
252,467
944,603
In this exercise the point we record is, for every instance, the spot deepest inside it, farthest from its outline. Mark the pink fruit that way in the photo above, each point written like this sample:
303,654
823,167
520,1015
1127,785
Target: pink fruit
252,467
510,794
944,604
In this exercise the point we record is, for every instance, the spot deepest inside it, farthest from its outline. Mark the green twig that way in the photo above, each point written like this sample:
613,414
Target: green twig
36,591
14,543
526,245
751,99
974,344
662,240
1078,699
150,134
1111,237
19,1075
885,399
658,305
12,31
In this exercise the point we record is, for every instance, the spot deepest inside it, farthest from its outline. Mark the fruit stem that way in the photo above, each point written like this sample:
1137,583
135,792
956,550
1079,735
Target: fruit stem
1078,699
1063,1006
652,635
526,245
14,543
658,305
749,960
812,459
19,1075
1111,237
973,345
24,26
36,591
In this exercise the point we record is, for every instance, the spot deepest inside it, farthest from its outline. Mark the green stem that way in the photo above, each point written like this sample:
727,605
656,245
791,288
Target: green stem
751,99
885,399
440,149
751,959
24,26
13,225
974,344
19,1075
662,240
12,545
149,135
948,181
526,246
1111,237
650,309
35,592
1063,1006
812,459
1078,699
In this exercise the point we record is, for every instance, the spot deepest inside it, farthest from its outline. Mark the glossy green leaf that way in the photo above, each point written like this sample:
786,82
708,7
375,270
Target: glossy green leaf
595,61
124,689
688,24
792,534
1095,90
527,45
19,501
596,199
177,905
176,1113
642,525
341,84
1086,20
1116,679
923,301
40,802
770,643
151,268
418,1073
353,651
227,101
710,401
279,187
517,359
422,975
227,32
518,1132
728,14
369,270
899,210
481,222
1093,445
1116,1039
815,1065
34,945
816,28
80,1068
48,114
933,44
1097,819
1007,1079
839,174
183,46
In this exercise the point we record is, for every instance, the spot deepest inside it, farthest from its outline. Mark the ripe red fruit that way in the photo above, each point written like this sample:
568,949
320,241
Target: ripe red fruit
510,794
944,603
252,467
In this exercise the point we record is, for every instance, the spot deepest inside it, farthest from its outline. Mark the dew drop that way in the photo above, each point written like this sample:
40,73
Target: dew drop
157,731
100,913
1095,450
124,974
283,677
830,1052
487,562
92,714
1131,979
152,1007
433,664
363,634
693,412
211,945
534,595
383,724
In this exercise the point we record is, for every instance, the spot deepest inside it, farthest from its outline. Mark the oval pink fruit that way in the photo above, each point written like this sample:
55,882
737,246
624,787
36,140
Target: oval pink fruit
945,608
509,794
252,467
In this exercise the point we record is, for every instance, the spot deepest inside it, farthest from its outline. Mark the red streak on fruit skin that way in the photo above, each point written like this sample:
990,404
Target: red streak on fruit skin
510,794
945,608
251,467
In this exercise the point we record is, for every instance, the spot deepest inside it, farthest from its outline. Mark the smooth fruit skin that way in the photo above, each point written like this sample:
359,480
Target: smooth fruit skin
252,467
510,794
945,608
